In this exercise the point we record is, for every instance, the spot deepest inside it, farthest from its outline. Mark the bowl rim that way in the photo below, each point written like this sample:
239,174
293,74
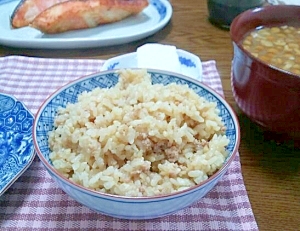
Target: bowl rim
144,199
238,42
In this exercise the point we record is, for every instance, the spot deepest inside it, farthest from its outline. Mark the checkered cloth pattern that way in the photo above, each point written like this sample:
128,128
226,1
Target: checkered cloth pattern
35,202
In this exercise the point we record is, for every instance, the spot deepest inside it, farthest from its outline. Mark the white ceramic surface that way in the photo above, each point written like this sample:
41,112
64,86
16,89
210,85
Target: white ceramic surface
120,206
149,21
284,2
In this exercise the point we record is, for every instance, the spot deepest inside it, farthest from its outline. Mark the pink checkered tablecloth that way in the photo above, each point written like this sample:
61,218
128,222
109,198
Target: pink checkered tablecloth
34,201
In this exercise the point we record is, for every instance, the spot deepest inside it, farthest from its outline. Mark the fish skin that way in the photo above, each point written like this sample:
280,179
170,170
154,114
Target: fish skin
81,14
25,12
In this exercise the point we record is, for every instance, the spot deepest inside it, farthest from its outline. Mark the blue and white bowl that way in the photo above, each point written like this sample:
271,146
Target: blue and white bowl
190,64
16,144
121,206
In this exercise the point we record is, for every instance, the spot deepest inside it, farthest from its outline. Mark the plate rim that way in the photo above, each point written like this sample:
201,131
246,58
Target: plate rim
89,42
32,154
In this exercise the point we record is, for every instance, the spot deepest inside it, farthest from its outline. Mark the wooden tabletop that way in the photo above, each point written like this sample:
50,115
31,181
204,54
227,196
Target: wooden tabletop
271,171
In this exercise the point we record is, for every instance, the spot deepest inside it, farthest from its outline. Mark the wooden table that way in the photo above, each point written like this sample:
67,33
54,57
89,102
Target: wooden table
271,171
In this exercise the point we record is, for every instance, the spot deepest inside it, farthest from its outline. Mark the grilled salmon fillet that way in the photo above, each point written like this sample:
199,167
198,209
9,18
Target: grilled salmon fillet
80,14
27,10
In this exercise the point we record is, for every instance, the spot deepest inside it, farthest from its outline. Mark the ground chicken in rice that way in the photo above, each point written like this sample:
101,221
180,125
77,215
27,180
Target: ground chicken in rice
138,138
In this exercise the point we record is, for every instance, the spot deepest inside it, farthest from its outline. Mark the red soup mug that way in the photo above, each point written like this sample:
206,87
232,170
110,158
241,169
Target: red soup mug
269,96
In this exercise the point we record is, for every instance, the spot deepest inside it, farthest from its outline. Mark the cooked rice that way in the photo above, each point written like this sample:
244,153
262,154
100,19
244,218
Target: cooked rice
138,138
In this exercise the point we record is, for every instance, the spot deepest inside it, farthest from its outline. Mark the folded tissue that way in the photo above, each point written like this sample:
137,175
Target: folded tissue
158,56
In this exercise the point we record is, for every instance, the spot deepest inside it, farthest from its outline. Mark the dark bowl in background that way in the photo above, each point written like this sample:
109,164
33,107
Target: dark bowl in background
222,12
267,95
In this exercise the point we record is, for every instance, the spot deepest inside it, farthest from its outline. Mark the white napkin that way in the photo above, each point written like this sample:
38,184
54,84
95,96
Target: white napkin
158,56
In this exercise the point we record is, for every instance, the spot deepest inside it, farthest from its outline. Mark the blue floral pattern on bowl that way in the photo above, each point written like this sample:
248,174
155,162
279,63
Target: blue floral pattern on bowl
16,143
186,62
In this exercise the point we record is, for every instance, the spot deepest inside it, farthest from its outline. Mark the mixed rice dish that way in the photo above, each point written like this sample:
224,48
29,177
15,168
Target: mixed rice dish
138,138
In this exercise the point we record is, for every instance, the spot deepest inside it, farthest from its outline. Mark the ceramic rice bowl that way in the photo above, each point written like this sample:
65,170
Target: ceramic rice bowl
124,206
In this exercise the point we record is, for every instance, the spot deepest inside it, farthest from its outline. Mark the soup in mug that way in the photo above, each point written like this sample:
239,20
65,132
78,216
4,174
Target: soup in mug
278,46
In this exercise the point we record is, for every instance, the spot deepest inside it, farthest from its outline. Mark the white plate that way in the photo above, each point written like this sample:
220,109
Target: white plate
149,21
190,64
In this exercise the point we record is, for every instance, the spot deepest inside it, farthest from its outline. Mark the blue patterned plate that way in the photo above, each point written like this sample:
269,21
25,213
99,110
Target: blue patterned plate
190,64
16,145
